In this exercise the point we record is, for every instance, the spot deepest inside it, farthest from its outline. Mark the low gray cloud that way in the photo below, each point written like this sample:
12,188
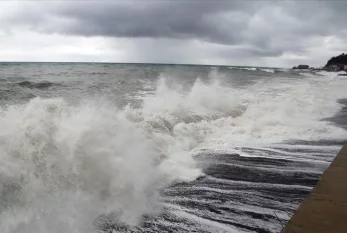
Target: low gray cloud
259,28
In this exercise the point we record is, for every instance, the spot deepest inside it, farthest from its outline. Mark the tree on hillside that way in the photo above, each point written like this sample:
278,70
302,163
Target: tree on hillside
341,59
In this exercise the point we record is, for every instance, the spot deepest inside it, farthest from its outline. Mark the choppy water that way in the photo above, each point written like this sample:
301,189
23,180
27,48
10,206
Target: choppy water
162,148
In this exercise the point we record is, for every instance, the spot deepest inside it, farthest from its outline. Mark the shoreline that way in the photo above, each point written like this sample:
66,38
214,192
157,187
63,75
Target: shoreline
340,118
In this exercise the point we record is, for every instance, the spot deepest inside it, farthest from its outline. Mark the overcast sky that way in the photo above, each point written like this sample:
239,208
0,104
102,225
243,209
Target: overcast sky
255,33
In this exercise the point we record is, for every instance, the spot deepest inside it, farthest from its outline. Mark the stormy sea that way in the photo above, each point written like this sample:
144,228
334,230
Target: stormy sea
111,148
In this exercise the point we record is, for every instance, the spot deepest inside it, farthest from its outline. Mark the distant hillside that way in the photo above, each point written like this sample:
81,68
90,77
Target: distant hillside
341,59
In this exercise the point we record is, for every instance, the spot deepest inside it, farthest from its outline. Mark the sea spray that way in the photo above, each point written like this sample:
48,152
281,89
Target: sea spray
64,167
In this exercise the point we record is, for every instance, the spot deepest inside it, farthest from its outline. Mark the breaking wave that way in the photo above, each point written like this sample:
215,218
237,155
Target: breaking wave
68,168
250,69
268,70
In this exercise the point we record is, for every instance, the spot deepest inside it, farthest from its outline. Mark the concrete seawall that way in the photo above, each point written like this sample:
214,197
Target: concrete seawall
325,209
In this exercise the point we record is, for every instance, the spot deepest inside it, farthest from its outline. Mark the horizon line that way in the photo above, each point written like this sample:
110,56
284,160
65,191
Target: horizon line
138,63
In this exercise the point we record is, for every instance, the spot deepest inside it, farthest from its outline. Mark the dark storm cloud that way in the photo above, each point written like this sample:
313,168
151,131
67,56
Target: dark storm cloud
206,20
260,28
215,21
226,22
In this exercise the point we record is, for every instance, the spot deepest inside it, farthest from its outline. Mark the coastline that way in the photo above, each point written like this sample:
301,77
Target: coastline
324,209
340,119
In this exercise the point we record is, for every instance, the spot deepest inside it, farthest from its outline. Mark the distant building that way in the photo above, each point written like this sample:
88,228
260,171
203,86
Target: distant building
301,67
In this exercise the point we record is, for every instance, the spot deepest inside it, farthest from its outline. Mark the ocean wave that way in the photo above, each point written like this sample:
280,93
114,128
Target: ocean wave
331,74
268,70
283,70
306,74
99,73
36,85
74,163
214,115
250,69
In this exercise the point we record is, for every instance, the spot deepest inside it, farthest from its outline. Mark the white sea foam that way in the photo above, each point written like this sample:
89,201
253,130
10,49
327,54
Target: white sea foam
283,70
250,69
268,70
331,74
267,112
307,74
64,165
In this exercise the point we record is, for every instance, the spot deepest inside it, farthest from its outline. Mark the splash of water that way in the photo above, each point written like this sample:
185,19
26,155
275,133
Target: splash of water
63,166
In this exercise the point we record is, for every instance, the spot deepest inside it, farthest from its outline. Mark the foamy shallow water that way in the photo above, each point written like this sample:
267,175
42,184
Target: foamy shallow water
150,148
